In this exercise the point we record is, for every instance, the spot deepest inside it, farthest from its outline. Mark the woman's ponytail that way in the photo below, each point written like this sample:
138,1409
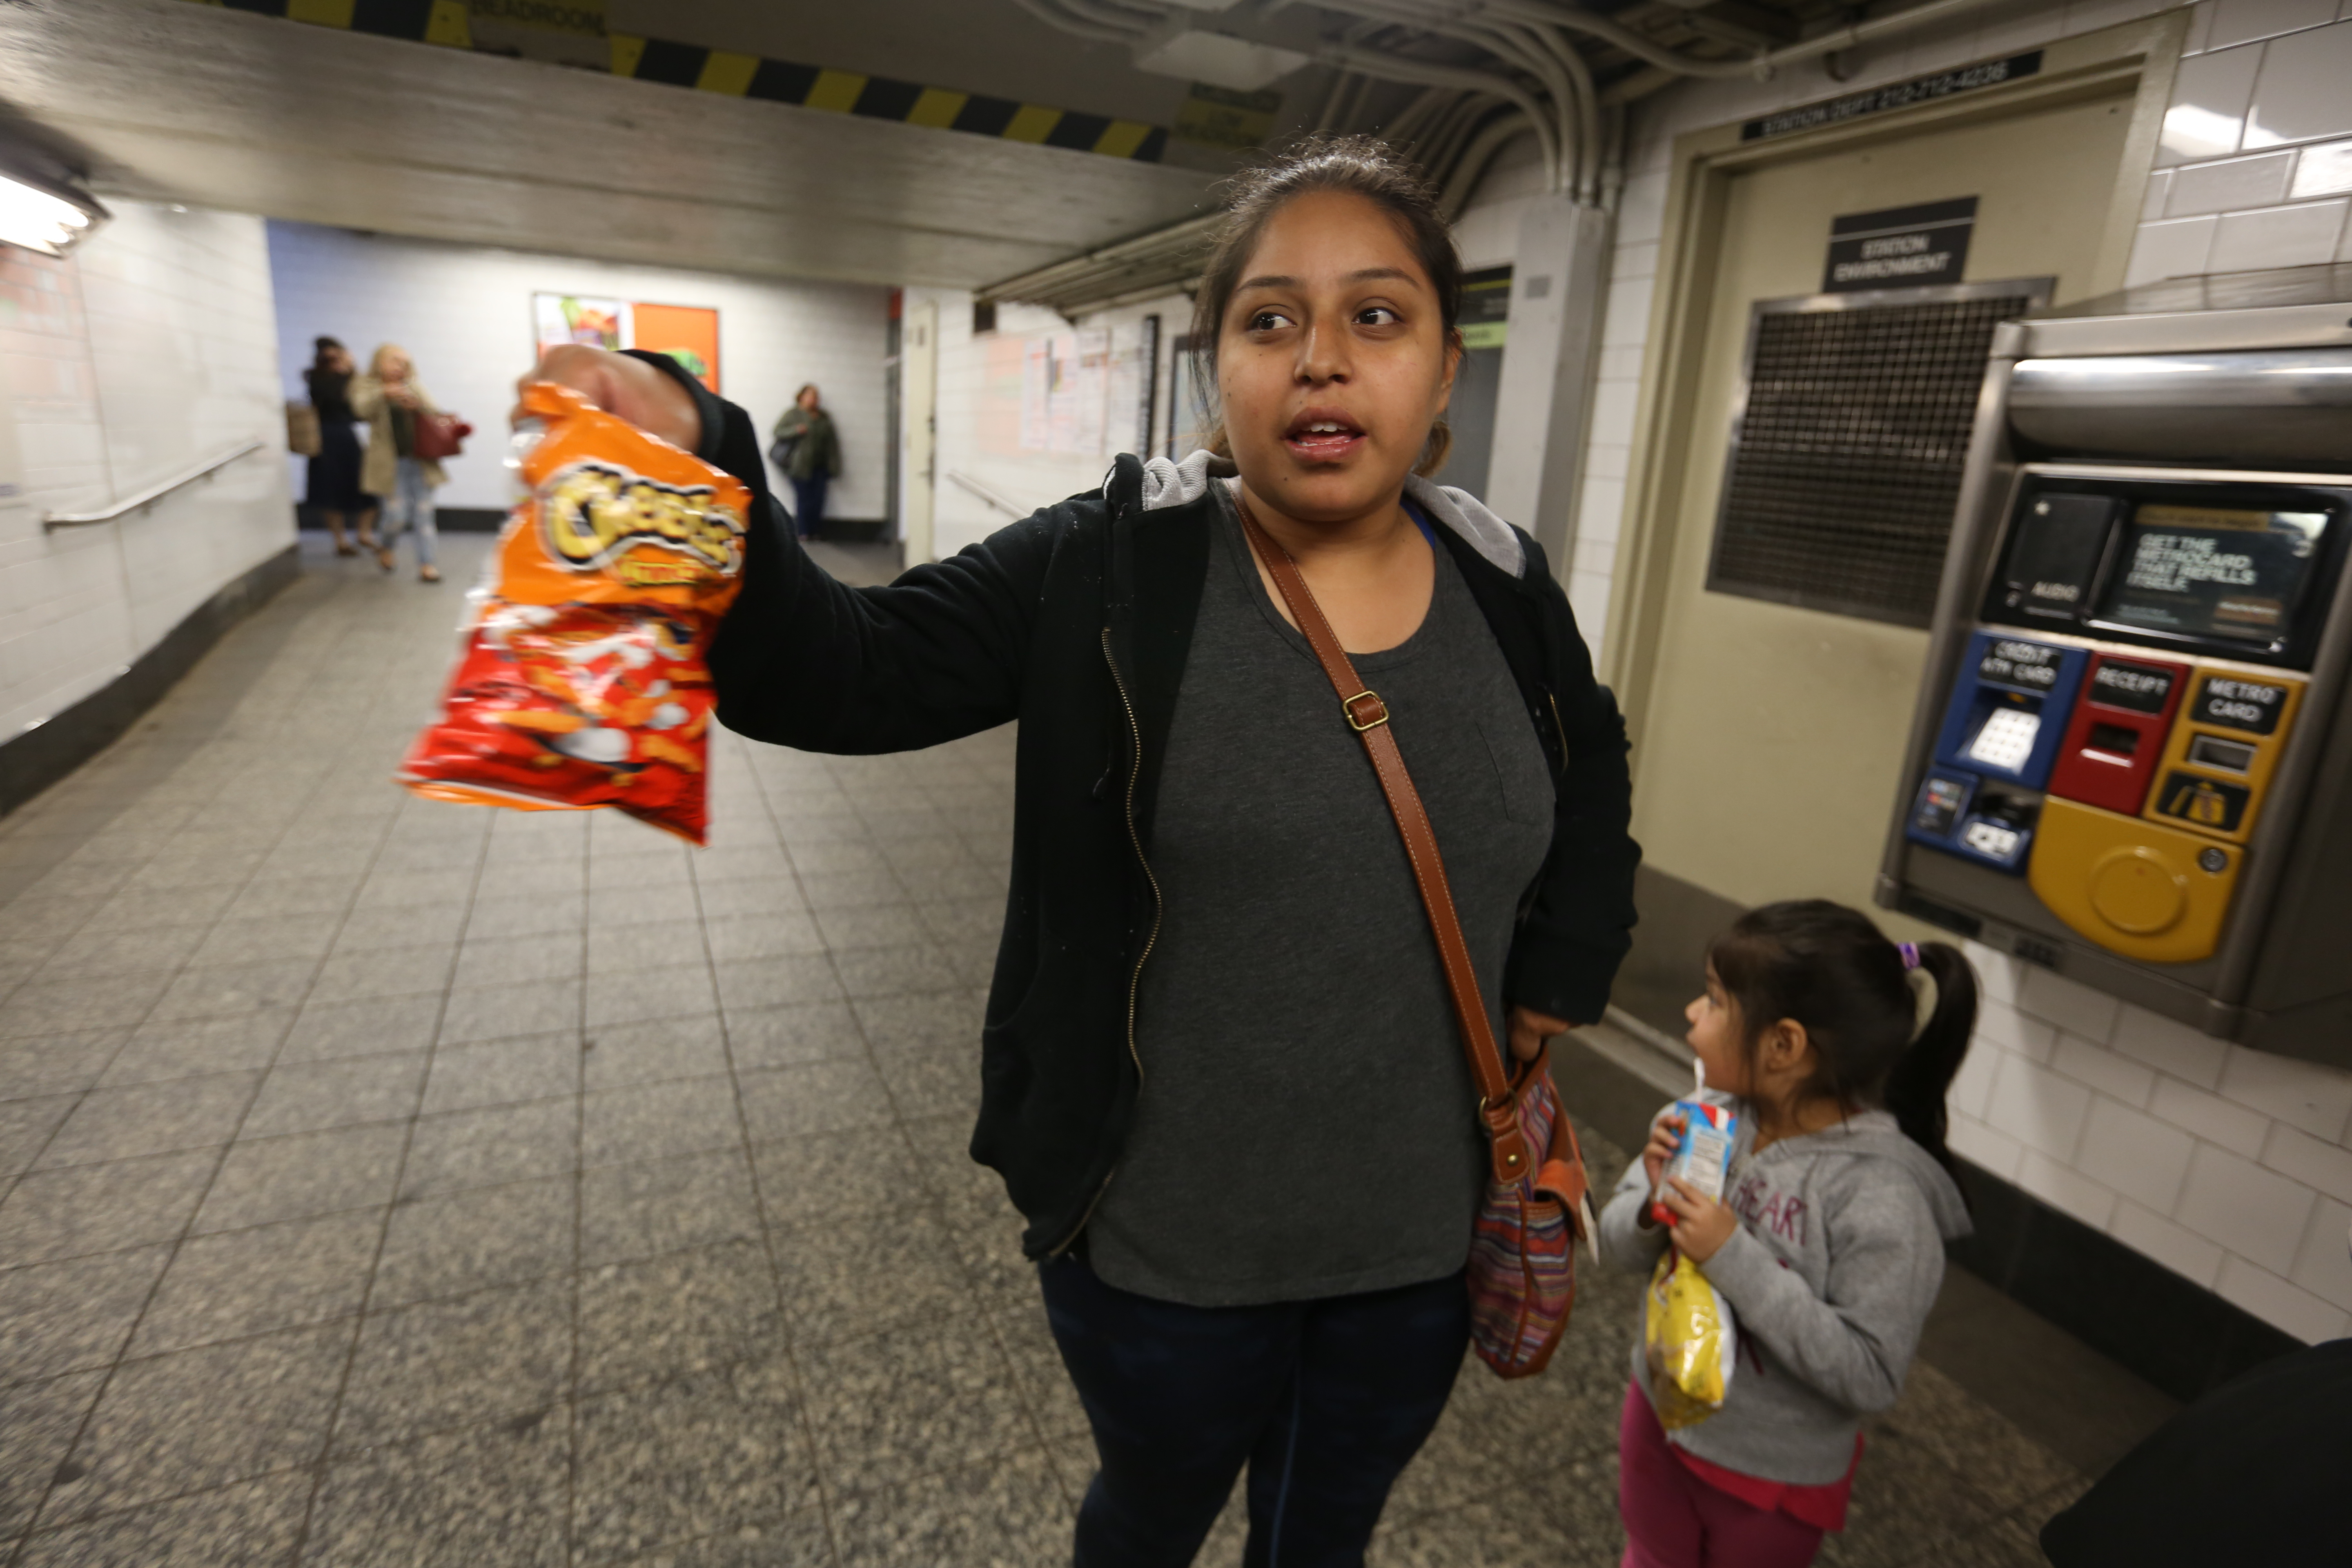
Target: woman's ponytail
1916,1089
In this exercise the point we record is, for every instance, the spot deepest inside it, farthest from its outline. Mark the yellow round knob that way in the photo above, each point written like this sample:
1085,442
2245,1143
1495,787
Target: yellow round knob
2138,890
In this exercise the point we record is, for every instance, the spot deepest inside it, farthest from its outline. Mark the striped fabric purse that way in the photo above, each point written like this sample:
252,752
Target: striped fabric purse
1522,1272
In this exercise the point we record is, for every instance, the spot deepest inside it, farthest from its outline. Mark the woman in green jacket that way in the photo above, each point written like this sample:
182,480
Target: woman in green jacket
809,453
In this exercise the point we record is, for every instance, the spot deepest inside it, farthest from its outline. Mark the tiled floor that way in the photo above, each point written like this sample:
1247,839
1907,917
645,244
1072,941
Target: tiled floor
384,1182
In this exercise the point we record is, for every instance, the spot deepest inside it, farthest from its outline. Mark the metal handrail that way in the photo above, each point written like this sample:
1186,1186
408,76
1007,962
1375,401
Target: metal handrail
989,496
141,500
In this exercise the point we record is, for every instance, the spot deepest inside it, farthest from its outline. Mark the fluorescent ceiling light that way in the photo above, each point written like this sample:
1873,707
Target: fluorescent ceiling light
40,219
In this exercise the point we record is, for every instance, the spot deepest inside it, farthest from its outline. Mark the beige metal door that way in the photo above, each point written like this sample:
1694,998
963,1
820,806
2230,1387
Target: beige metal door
919,351
1773,737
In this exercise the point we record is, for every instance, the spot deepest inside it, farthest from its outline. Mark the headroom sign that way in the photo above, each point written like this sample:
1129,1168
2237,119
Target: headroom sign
1896,95
1901,247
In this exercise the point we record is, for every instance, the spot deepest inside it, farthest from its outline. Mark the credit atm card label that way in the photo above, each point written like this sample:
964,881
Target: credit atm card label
2141,688
2203,803
2253,706
2028,664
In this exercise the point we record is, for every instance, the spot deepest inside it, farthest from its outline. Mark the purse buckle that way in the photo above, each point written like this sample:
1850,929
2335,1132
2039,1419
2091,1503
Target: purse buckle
1375,715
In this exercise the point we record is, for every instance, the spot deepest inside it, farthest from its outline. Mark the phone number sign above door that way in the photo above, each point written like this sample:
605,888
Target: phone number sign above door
1897,95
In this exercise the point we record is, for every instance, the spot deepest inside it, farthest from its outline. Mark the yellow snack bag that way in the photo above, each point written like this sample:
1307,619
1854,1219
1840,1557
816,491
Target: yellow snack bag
1689,1342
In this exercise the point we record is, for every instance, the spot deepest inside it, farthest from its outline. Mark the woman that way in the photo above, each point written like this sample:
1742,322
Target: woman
1219,1072
389,399
333,488
810,456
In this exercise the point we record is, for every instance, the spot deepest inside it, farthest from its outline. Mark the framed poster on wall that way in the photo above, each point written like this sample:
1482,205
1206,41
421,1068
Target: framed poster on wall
687,334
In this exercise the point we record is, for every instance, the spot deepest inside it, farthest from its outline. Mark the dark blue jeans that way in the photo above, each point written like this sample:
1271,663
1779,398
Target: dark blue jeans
808,503
1326,1401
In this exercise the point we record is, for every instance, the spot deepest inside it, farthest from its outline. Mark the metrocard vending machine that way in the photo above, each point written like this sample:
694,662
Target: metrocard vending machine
2132,761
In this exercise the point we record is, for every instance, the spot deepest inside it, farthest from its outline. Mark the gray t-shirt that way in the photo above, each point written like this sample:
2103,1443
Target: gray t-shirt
1308,1125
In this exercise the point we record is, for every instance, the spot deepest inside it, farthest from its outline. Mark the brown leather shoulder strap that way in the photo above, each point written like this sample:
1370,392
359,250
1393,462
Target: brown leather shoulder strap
1369,717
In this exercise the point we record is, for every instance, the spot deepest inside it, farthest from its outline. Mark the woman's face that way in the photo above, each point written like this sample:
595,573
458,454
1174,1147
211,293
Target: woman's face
808,399
396,367
1333,359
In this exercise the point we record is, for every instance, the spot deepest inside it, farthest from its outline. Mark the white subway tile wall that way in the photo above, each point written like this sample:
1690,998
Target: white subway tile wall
151,349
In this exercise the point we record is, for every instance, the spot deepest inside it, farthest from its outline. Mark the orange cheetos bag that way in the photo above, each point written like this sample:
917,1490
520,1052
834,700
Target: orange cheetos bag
581,679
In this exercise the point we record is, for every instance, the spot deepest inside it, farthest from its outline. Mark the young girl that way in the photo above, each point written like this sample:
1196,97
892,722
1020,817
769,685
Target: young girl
1834,1047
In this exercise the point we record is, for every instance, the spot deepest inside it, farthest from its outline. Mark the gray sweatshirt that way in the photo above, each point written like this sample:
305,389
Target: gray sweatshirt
1830,1276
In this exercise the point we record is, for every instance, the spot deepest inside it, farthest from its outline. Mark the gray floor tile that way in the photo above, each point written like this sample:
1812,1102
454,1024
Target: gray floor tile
1007,1514
689,1459
328,1031
642,906
657,944
304,895
943,1020
951,921
896,971
202,1418
743,862
283,1276
912,856
822,1097
488,1356
841,1280
385,890
793,1035
932,1082
236,988
500,1072
511,960
2007,1466
237,1526
84,1209
378,927
72,1315
164,1049
734,937
1904,1493
311,1097
1569,1517
620,1054
264,938
486,1497
891,1407
41,1065
527,915
38,1425
871,925
965,882
272,1179
840,1177
680,1312
151,1119
503,1012
841,889
373,973
67,1007
550,877
777,981
26,1126
656,868
485,1148
652,1121
90,955
638,1210
640,996
722,902
471,1240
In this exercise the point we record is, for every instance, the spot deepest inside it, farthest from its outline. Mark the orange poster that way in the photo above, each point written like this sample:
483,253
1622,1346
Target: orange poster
687,334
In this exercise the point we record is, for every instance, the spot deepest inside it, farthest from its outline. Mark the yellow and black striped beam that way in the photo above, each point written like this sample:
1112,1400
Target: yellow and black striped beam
446,22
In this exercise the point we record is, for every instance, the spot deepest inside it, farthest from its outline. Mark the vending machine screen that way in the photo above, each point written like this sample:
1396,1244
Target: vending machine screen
2212,574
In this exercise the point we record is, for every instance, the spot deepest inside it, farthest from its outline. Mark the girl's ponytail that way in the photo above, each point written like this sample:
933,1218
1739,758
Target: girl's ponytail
1922,1076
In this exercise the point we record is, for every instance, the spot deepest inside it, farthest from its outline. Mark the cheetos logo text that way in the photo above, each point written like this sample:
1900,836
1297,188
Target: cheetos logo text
591,513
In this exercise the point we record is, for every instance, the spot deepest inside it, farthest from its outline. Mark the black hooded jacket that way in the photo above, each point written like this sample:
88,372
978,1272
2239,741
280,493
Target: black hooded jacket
1075,621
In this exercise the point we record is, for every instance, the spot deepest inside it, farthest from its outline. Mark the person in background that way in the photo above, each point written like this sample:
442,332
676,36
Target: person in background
389,398
1834,1047
804,447
333,486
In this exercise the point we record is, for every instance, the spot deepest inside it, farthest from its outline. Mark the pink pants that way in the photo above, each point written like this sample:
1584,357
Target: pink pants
1674,1520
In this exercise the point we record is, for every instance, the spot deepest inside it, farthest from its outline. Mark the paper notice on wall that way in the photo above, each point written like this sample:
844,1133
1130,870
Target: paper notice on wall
1036,395
1093,387
1062,393
997,415
1124,389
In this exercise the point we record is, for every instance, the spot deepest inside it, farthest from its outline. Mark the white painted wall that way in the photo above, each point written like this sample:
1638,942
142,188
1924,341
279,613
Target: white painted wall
2232,1167
465,315
152,348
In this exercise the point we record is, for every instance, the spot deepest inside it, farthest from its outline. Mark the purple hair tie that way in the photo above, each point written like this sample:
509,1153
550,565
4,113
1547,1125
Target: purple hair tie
1910,953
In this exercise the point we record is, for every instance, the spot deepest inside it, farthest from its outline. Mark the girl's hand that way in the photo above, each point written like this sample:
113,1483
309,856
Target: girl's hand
619,384
1665,1137
1701,1225
1531,1029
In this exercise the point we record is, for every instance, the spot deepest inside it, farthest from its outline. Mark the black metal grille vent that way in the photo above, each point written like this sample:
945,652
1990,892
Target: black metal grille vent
1846,462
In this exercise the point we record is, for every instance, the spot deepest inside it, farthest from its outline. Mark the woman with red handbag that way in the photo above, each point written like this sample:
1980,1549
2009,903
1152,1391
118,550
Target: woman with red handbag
407,436
1317,802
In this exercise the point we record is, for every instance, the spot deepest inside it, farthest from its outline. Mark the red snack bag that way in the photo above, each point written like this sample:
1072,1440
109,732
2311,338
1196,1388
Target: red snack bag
581,682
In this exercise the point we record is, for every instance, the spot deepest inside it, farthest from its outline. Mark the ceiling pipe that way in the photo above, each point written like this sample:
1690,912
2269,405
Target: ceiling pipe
1491,139
1762,66
1428,73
